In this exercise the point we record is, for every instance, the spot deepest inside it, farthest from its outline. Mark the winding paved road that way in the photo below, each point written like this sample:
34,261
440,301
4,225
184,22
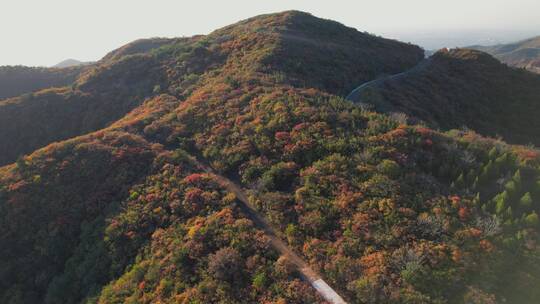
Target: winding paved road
305,270
354,96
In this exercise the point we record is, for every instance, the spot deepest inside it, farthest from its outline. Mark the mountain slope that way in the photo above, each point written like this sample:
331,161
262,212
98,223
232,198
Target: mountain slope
335,58
522,54
35,120
464,87
385,212
113,87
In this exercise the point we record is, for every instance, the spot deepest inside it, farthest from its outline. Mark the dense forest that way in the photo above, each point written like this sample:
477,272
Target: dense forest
114,208
463,88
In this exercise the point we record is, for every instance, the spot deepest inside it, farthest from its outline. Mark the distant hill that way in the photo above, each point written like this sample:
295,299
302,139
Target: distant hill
465,88
17,80
522,54
70,63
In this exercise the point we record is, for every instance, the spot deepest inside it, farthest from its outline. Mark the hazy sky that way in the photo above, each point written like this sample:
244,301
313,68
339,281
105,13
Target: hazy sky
45,32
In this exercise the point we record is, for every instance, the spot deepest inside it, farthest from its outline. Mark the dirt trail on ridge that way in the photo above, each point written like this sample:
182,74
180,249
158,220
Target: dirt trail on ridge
305,270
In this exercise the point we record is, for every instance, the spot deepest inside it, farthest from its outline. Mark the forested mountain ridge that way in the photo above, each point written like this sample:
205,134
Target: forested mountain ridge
119,82
465,88
386,212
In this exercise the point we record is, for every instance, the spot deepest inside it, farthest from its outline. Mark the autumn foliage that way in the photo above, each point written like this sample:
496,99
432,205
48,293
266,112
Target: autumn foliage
385,211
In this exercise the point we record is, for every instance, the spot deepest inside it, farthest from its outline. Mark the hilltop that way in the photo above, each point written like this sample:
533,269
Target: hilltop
465,88
129,204
70,63
523,54
119,82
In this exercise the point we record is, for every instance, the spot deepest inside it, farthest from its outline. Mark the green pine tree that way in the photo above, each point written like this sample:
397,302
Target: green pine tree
501,202
489,172
508,213
526,202
476,183
471,176
532,220
484,207
502,161
517,177
460,182
493,153
476,200
511,188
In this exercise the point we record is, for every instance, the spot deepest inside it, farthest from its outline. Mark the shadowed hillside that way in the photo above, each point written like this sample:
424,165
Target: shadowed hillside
465,88
382,210
102,95
17,80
